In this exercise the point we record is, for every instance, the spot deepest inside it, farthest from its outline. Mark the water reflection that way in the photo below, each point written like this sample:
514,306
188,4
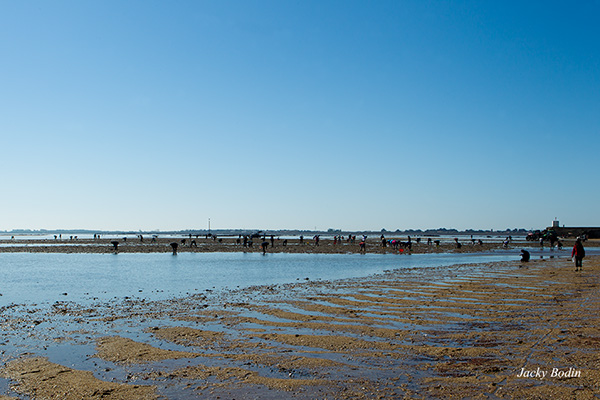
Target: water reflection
47,277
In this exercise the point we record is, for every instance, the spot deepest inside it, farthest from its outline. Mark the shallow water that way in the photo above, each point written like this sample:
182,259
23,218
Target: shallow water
50,277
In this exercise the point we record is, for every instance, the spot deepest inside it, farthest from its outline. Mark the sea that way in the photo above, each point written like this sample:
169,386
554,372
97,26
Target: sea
38,278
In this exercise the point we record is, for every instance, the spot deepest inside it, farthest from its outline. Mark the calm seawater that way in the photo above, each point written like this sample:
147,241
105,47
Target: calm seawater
42,277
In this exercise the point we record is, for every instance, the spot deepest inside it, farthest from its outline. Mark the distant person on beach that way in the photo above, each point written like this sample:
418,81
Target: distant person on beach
525,256
264,246
362,246
578,253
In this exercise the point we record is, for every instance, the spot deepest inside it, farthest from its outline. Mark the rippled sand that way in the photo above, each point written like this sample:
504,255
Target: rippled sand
452,332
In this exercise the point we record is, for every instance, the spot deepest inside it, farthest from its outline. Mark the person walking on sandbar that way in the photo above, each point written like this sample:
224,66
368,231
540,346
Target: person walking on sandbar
578,253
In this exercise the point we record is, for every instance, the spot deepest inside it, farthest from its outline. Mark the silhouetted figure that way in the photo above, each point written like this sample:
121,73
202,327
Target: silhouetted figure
363,246
272,241
245,241
578,253
525,256
193,244
264,246
174,245
116,245
284,242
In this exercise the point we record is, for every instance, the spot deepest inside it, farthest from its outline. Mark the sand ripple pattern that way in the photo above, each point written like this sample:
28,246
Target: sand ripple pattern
452,332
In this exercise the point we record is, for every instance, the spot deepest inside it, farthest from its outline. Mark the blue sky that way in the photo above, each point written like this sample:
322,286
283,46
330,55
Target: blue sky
299,114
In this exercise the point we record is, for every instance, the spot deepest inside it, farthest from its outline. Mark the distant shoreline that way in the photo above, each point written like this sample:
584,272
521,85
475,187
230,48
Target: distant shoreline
327,245
276,232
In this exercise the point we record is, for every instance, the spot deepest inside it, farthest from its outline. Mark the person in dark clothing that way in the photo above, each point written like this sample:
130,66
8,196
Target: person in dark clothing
578,253
525,256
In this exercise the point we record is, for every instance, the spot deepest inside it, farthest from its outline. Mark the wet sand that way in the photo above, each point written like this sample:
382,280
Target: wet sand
475,331
228,244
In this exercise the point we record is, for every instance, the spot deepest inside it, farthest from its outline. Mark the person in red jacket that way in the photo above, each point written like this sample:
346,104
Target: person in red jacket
578,253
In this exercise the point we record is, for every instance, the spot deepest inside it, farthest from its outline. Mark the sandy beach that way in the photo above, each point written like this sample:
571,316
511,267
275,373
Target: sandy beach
502,330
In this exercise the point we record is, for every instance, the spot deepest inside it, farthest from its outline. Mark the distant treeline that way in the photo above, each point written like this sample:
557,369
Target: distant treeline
276,232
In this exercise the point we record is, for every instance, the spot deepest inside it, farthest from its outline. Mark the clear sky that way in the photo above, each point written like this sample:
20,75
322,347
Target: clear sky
299,114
